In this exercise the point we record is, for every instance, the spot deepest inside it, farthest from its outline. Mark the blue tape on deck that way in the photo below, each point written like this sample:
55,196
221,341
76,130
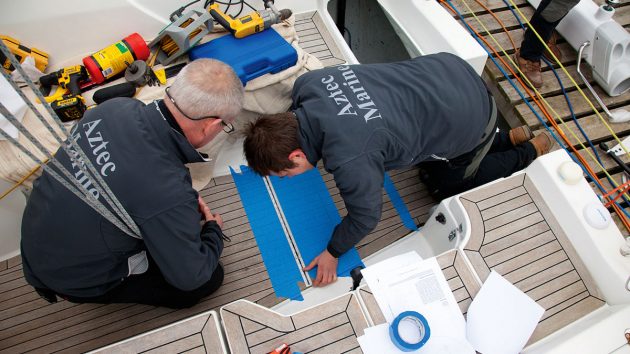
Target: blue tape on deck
274,249
423,327
312,217
399,204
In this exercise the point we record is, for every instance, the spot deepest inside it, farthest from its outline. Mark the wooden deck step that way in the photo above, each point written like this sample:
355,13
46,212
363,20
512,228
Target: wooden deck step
331,327
198,334
515,234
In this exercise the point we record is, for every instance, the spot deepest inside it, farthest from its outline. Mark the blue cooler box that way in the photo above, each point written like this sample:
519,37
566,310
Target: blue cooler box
250,57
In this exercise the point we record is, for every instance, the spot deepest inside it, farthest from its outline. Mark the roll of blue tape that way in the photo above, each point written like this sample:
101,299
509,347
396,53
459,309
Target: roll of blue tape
423,327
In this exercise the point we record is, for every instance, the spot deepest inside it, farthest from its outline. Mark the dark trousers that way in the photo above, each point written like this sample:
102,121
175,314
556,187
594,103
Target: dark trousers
445,179
544,21
151,288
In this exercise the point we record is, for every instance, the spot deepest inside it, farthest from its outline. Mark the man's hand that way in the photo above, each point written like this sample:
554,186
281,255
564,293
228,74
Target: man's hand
207,214
326,269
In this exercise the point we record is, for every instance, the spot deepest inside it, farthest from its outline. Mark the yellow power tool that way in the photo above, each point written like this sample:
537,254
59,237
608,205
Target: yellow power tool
254,22
67,101
21,52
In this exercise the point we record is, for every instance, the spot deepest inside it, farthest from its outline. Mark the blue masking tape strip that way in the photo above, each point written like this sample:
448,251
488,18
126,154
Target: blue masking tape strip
399,204
312,217
423,327
274,249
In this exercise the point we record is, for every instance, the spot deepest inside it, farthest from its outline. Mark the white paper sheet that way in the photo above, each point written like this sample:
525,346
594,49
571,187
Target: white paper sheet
501,318
12,102
407,283
376,341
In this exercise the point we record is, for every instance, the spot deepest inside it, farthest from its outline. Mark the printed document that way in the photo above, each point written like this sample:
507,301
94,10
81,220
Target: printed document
407,283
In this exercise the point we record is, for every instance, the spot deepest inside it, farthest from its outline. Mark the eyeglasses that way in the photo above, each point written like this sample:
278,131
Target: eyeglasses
227,127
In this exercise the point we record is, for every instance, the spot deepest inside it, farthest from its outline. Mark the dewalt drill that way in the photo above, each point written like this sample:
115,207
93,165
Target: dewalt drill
254,22
67,101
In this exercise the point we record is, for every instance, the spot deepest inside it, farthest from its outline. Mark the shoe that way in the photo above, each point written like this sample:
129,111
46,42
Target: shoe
554,49
520,135
542,143
530,69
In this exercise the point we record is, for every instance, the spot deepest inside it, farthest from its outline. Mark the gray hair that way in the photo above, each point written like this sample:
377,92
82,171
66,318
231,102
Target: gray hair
208,87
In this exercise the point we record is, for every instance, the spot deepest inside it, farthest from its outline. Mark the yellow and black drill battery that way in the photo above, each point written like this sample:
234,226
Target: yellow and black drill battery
69,108
21,52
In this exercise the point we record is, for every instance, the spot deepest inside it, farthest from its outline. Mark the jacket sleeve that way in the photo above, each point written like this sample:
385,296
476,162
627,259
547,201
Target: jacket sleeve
360,183
186,253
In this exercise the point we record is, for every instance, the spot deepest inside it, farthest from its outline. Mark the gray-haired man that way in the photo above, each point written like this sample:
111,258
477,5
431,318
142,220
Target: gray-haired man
70,250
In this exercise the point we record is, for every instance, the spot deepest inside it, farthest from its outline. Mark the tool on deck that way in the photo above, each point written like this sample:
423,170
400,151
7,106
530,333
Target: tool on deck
282,349
140,74
127,89
67,101
178,37
21,52
115,58
254,22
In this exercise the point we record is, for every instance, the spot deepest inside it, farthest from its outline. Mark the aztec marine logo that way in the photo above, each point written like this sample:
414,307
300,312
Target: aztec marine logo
360,102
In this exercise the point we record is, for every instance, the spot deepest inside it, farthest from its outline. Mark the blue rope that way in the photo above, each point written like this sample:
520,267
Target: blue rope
520,93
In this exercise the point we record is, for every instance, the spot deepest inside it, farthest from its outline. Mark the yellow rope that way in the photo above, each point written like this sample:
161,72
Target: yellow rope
590,154
21,181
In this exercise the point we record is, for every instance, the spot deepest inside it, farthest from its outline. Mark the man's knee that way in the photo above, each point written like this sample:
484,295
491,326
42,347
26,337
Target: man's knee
191,298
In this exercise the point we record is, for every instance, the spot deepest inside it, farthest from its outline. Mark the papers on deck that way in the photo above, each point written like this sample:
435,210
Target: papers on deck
375,340
501,318
407,283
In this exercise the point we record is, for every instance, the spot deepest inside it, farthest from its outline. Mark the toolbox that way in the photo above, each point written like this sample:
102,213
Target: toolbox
250,57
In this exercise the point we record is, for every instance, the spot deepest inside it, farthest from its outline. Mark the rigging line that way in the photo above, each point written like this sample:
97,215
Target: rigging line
596,161
498,21
11,118
590,103
621,192
22,129
583,163
585,166
43,121
86,197
610,179
97,180
30,105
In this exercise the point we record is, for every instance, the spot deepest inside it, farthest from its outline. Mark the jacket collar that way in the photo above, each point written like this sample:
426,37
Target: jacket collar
167,124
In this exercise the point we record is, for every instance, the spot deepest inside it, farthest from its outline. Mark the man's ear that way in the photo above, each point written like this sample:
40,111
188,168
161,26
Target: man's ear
297,154
211,125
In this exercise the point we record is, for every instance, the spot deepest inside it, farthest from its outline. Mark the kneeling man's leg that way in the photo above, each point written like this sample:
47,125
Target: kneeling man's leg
150,288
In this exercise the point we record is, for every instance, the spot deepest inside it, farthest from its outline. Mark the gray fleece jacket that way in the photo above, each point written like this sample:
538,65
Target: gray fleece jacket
363,120
140,152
